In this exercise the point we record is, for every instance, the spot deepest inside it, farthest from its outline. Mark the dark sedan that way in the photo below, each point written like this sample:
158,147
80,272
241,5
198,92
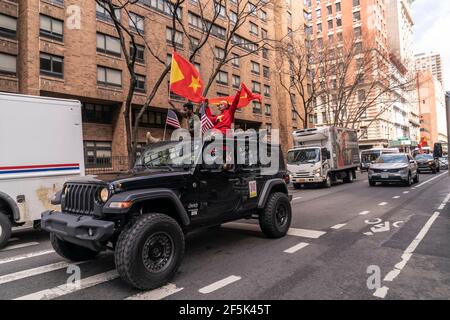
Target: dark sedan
427,162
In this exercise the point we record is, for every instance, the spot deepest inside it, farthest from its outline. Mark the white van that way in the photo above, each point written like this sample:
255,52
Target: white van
367,156
41,146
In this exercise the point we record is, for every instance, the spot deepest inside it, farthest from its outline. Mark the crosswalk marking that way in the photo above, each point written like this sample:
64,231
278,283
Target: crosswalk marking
297,247
19,246
219,284
33,272
296,232
156,294
64,289
25,256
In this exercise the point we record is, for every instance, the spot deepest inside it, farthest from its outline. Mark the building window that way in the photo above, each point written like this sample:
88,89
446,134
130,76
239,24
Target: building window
252,9
97,154
178,38
356,16
150,118
338,22
264,34
338,7
102,14
364,133
236,81
256,68
109,45
136,23
235,60
256,87
268,108
219,53
266,71
8,64
51,65
222,77
193,43
254,29
263,15
324,118
265,53
140,83
97,113
256,107
330,24
140,52
51,28
233,17
107,76
219,9
163,6
356,3
266,90
8,26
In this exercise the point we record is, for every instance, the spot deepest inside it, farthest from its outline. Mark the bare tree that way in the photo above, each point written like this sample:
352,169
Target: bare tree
153,47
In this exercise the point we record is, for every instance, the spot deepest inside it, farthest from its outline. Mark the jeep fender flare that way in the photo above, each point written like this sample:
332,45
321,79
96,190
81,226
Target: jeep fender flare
12,205
138,196
267,189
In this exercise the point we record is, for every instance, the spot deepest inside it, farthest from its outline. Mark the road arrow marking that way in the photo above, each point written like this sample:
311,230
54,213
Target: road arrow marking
374,221
382,227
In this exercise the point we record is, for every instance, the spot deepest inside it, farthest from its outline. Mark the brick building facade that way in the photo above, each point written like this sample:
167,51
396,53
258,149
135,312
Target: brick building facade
69,49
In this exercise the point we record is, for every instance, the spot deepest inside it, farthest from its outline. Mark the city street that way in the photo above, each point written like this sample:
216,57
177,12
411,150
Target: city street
337,236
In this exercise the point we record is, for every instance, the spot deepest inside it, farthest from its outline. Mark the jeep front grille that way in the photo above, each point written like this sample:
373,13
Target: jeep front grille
80,198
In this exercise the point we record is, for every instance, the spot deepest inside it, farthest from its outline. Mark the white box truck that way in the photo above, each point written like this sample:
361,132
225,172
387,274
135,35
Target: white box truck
41,146
323,155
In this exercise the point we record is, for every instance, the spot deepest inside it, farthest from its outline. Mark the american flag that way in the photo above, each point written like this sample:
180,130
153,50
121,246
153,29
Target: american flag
172,119
206,122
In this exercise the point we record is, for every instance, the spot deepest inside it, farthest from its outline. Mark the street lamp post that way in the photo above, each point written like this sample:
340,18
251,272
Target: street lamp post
447,105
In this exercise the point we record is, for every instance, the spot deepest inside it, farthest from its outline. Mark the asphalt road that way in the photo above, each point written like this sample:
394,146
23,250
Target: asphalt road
351,241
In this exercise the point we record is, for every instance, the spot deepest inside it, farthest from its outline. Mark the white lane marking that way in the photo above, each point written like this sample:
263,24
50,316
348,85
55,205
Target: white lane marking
64,289
381,292
338,226
396,197
19,246
405,192
297,247
35,271
306,233
298,198
446,200
26,256
382,203
364,213
156,294
407,254
219,284
429,180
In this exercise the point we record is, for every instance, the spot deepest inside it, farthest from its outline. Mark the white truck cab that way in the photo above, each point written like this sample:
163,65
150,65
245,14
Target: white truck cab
41,146
323,155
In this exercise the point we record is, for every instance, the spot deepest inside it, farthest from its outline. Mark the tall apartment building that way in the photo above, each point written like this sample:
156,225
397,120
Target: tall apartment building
430,62
70,49
433,121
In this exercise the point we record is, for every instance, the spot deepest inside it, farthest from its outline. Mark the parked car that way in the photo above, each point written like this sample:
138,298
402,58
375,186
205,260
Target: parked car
394,168
427,162
443,163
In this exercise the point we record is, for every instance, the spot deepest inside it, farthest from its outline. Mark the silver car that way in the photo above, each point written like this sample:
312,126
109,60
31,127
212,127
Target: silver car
394,168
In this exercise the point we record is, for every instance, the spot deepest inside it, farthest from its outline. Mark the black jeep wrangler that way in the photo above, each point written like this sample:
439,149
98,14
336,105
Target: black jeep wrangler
144,215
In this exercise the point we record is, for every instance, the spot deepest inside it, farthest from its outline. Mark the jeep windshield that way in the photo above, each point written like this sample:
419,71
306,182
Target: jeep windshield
169,155
303,156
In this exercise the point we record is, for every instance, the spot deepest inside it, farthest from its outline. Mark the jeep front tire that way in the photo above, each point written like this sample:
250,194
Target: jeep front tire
70,250
275,219
149,251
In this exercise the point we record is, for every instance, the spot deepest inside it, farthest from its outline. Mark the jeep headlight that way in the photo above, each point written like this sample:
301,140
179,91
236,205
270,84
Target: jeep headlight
104,195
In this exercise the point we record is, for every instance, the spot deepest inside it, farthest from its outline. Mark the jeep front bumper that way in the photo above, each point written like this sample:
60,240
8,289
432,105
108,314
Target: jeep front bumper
82,230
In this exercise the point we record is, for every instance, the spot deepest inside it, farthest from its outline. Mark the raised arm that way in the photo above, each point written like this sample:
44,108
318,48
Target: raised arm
235,103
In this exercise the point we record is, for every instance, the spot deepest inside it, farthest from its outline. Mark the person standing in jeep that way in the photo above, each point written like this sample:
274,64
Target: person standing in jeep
144,215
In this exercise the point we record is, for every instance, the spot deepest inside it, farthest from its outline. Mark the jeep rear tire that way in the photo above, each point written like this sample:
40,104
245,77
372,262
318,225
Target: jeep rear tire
70,250
275,219
149,251
5,229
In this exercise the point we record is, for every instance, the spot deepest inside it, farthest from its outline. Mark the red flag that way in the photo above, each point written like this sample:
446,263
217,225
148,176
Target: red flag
246,97
185,80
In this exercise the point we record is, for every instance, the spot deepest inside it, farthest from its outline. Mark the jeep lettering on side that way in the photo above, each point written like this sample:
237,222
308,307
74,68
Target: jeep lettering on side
144,215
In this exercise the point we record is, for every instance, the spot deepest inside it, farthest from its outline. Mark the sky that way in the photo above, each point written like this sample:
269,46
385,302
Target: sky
432,31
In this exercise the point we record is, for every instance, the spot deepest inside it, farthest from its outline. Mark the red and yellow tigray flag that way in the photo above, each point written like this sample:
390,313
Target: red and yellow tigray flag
185,80
246,97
